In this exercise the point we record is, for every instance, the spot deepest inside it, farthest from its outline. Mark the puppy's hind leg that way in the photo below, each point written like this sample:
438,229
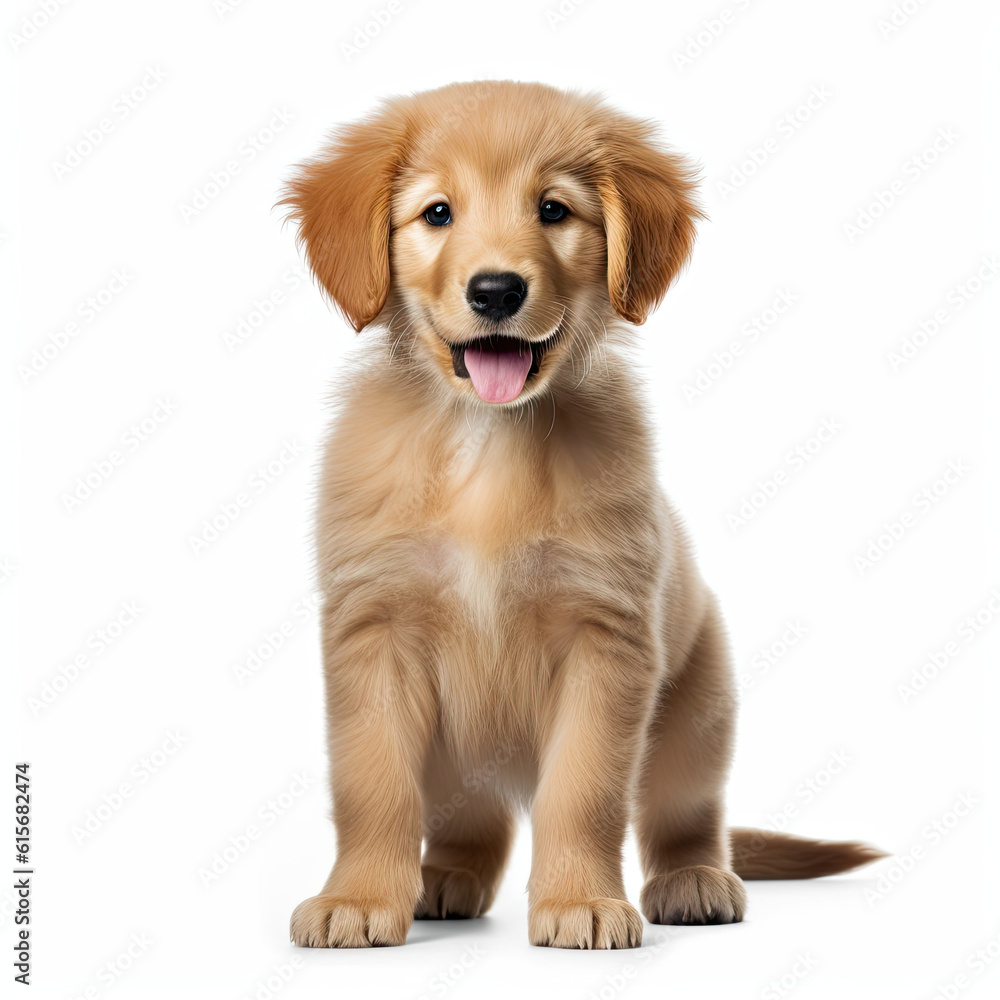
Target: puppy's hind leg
469,832
679,821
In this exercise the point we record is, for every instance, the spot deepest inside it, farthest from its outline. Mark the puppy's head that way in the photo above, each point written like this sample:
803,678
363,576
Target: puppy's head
496,228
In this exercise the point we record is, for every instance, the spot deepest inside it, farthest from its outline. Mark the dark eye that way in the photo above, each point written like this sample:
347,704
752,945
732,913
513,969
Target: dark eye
438,215
552,211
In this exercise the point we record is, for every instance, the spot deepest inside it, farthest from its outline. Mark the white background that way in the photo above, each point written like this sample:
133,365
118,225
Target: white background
898,929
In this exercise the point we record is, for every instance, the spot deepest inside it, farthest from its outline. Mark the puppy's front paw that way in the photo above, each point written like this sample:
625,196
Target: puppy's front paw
696,895
342,922
450,892
586,923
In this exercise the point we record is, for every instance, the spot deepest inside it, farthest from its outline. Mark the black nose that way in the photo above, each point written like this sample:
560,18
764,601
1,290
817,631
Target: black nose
496,296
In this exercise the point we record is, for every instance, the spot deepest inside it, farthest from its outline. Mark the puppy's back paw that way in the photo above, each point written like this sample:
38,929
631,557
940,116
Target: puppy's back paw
696,895
450,893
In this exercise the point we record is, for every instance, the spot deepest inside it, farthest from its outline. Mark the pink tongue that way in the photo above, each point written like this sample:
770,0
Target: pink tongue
498,376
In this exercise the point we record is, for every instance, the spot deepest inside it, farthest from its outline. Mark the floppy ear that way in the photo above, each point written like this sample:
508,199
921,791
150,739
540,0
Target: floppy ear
340,200
647,196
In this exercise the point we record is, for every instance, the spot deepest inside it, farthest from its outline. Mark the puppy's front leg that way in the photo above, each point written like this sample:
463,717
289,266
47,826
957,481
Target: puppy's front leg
380,707
576,892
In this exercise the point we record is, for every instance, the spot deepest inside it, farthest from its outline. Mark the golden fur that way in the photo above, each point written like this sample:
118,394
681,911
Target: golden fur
512,614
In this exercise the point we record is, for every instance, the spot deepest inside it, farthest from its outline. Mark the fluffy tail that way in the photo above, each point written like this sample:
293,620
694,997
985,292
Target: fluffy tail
762,854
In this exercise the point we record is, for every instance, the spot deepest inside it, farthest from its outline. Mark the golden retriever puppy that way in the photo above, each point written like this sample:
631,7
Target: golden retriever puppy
512,615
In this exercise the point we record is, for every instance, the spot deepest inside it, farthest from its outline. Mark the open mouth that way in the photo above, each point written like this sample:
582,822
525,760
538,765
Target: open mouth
499,366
